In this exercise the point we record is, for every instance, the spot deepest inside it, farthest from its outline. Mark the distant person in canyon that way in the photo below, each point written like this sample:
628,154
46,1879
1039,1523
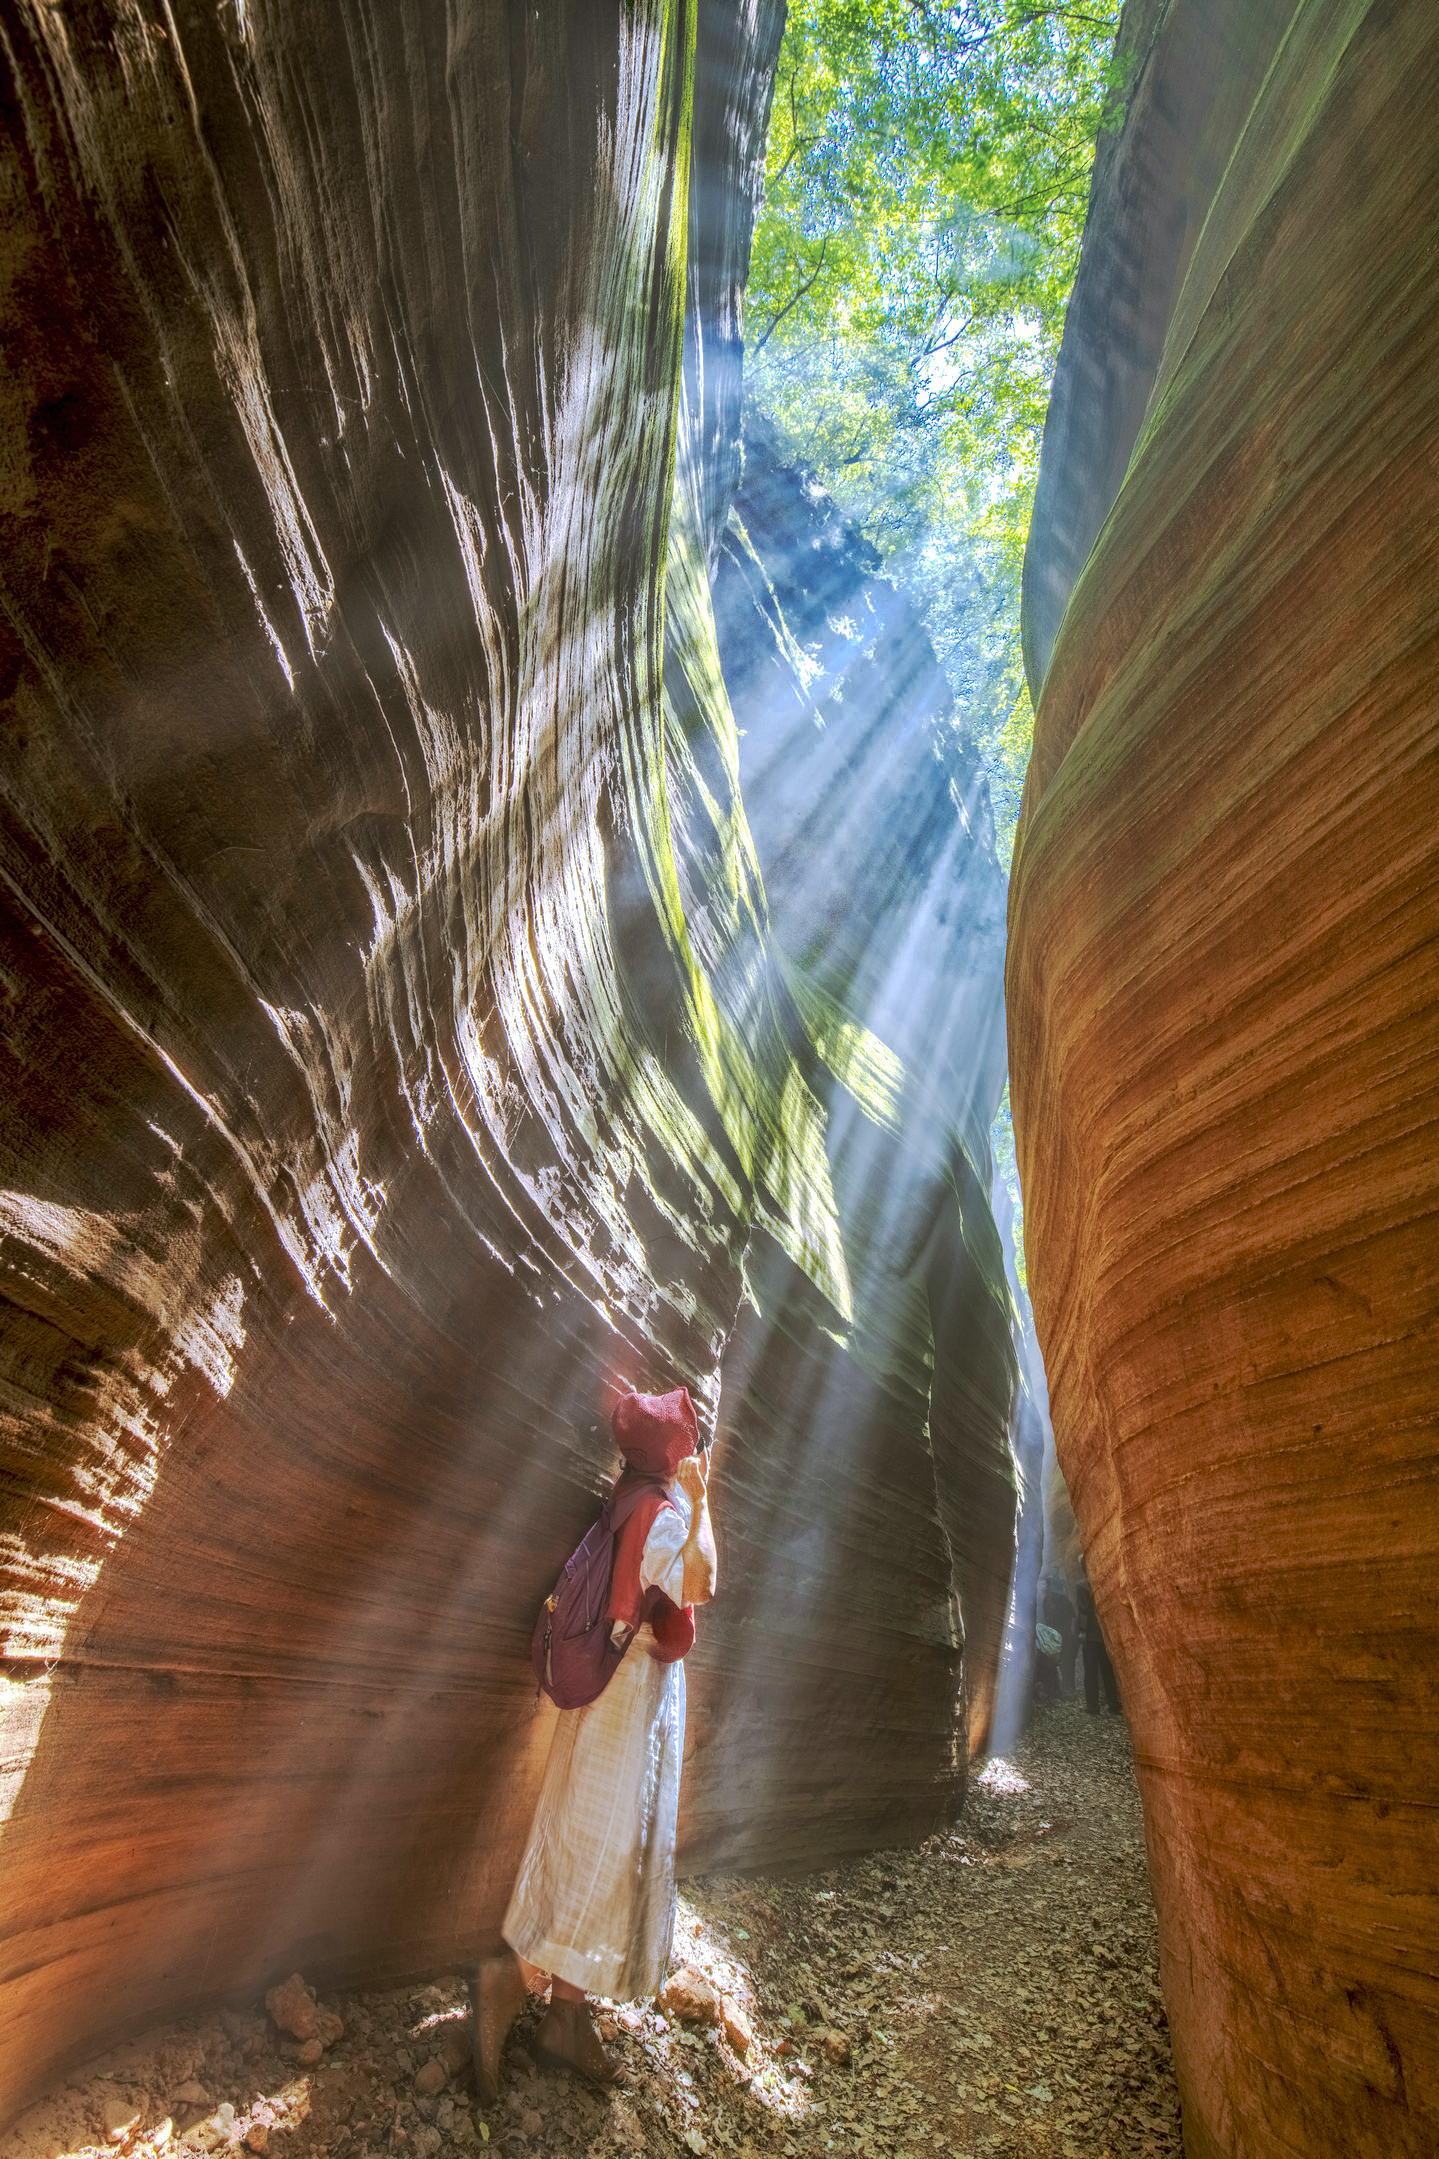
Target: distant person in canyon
594,1901
1046,1662
1097,1666
1058,1612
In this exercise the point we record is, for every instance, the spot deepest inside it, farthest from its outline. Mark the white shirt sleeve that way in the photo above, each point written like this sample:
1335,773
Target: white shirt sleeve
662,1563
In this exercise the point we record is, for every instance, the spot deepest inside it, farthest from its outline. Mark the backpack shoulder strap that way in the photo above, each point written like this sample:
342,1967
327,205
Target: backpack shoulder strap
635,1511
622,1504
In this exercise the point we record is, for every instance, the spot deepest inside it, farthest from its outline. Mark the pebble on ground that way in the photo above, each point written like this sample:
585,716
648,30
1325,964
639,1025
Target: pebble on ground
994,1992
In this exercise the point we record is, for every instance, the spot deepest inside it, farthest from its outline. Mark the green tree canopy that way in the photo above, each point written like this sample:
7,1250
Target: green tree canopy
926,185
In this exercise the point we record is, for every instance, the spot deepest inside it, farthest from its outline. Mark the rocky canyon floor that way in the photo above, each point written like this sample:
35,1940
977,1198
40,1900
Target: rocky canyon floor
995,1992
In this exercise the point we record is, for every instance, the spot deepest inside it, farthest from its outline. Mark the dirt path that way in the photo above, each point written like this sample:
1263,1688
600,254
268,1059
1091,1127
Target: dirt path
995,1993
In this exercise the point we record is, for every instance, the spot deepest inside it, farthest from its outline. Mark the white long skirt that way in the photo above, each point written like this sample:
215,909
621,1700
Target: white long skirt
594,1902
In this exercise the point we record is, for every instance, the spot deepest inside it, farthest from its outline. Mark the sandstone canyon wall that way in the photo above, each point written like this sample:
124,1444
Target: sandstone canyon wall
1224,1036
400,1053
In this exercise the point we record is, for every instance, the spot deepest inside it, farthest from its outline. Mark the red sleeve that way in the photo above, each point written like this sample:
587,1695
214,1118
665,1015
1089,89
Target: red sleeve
674,1628
626,1591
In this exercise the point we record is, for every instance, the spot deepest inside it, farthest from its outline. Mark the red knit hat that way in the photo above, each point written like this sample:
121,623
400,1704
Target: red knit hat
654,1432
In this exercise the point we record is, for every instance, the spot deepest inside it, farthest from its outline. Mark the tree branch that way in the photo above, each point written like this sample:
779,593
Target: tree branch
796,140
793,301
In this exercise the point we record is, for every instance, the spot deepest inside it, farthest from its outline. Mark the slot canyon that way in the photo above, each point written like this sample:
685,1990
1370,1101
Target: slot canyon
501,904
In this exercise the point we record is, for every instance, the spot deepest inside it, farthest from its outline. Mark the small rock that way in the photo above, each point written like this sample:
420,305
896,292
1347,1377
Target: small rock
426,2142
293,2010
737,2028
190,2094
257,2136
532,2121
328,2027
430,2079
688,1995
784,2049
837,2048
455,2047
309,2052
119,2117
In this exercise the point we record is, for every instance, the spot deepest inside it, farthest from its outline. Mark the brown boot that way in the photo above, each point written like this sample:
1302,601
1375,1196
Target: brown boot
567,2039
499,1996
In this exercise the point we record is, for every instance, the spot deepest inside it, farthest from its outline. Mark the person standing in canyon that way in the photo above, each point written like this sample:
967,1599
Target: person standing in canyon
1097,1666
594,1900
1058,1613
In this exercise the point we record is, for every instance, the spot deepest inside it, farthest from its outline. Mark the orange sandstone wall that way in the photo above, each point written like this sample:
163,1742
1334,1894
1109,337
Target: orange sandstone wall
1223,995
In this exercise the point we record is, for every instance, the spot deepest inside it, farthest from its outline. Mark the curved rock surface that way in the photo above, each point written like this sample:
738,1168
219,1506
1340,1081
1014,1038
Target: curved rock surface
1192,74
1224,1047
399,1054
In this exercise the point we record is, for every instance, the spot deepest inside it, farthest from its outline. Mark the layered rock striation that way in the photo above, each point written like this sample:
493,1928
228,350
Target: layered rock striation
400,1054
1224,915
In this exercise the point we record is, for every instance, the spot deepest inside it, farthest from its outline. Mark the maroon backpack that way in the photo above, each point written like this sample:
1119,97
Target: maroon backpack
571,1650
